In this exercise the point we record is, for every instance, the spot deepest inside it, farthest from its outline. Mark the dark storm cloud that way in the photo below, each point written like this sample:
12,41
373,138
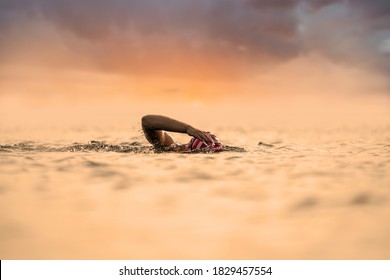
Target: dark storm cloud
247,32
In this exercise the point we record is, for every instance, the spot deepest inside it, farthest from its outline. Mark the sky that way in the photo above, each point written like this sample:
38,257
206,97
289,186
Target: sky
197,51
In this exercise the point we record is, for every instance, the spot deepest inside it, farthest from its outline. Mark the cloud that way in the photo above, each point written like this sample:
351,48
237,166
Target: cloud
194,38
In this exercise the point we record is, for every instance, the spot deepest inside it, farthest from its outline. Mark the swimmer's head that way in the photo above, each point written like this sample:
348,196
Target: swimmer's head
196,144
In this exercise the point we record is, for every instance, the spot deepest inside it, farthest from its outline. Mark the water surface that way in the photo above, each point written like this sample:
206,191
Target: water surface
293,193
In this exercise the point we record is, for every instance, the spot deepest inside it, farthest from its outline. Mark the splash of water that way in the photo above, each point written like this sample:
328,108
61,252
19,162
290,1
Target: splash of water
93,146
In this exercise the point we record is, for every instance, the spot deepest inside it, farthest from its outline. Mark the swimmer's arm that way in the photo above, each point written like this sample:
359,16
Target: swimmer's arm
154,126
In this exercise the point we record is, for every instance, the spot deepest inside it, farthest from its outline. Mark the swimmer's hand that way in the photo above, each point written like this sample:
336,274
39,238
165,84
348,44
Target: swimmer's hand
199,135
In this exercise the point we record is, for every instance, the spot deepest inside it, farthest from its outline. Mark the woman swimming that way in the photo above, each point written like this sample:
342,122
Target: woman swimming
155,128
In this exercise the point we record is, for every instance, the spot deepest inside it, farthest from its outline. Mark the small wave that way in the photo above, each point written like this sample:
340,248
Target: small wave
98,146
234,149
92,146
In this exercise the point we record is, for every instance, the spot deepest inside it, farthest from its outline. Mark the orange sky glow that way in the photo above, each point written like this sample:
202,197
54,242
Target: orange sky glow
202,54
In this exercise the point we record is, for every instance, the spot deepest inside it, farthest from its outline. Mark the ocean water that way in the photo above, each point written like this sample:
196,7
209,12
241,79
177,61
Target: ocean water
284,193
